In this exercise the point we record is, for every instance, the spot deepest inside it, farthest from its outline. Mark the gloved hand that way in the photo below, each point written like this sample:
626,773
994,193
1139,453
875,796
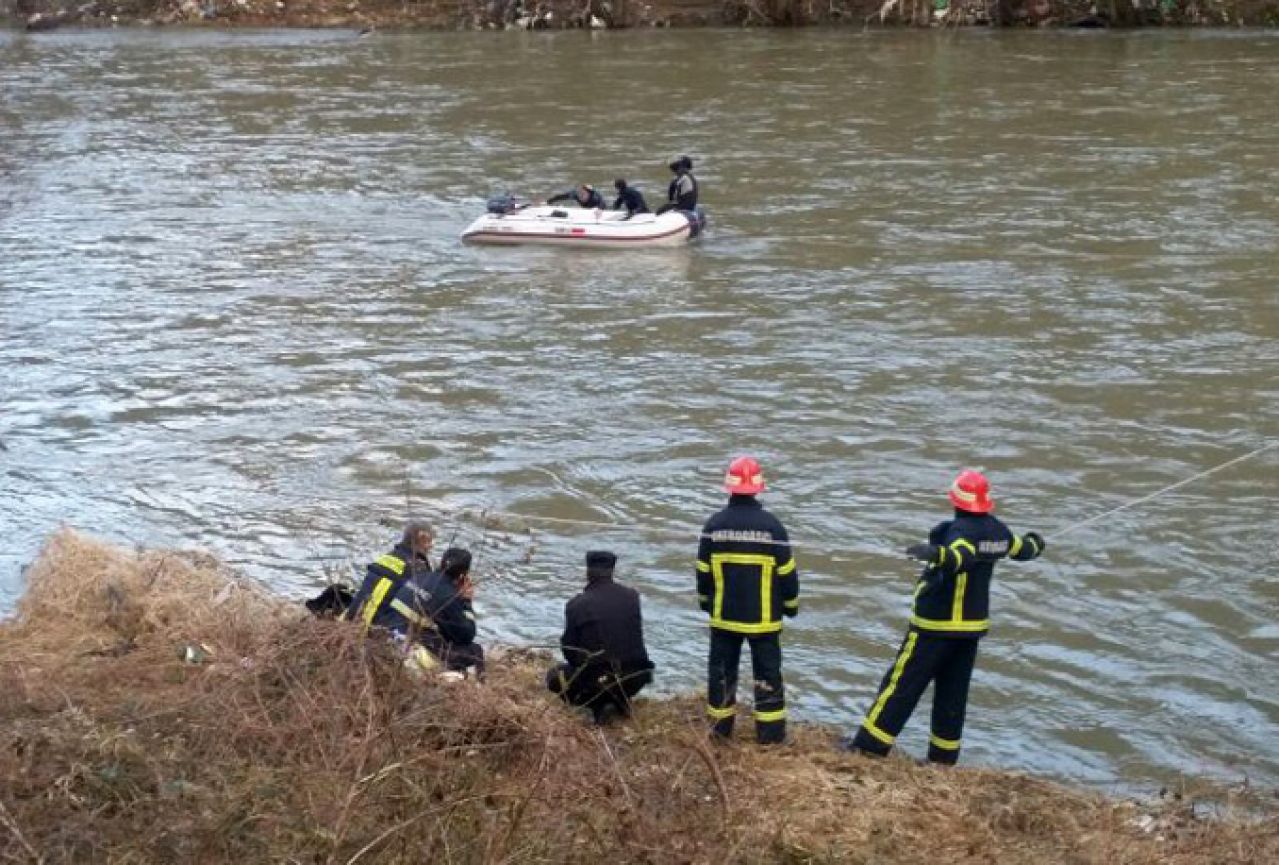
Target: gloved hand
1037,539
923,552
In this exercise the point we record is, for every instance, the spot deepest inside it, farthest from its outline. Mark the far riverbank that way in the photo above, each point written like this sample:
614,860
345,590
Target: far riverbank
367,15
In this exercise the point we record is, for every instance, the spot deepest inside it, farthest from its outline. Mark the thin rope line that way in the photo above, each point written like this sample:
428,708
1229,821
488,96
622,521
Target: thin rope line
1065,530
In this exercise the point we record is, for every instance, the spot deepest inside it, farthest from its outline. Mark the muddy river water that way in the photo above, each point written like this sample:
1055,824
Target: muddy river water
235,314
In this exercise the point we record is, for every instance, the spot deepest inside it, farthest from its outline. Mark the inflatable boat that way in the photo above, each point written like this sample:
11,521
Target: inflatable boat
510,222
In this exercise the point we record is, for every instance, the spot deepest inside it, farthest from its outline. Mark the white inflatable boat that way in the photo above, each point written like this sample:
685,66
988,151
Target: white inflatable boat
510,223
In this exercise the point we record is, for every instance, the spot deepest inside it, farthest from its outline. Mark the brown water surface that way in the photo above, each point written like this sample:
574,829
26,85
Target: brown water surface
234,314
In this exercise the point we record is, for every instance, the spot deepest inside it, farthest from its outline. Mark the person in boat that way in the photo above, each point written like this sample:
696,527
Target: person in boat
682,192
746,581
948,619
629,197
605,661
385,575
585,195
432,612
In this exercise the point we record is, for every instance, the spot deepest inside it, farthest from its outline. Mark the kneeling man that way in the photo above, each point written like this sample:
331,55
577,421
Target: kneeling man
606,663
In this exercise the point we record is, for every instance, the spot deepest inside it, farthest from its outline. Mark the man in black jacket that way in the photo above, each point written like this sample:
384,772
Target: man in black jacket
385,575
433,611
606,663
585,195
950,615
629,197
747,581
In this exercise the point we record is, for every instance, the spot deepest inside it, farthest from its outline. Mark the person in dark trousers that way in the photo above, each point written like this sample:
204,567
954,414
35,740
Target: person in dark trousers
949,617
585,195
628,197
682,193
385,575
746,581
606,663
434,610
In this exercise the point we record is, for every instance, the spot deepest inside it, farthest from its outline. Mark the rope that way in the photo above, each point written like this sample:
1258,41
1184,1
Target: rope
1065,530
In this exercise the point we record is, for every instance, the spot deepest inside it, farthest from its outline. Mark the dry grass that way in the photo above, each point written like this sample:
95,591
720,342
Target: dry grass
299,741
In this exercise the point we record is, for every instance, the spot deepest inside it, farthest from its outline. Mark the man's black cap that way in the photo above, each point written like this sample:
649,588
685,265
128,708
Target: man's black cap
600,563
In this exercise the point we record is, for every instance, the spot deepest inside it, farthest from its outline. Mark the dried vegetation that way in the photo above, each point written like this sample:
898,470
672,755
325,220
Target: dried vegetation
159,709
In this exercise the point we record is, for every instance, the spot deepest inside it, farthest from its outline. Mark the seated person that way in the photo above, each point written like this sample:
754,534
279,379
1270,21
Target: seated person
628,197
585,195
433,611
682,193
606,663
389,572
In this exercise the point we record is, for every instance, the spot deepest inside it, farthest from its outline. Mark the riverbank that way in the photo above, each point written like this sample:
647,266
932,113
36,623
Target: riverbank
363,15
159,708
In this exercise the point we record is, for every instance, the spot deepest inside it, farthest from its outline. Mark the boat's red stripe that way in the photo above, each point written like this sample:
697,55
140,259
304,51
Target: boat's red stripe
517,234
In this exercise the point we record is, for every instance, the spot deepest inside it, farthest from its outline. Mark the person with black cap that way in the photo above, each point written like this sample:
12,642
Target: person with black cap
585,195
629,197
606,663
682,193
433,612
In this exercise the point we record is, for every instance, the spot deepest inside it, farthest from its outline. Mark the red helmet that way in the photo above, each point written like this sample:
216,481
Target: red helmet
744,477
971,492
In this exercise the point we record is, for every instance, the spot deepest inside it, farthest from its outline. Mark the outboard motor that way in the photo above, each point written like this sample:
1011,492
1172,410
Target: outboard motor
503,203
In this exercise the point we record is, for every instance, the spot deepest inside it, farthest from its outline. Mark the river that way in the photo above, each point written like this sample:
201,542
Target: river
235,315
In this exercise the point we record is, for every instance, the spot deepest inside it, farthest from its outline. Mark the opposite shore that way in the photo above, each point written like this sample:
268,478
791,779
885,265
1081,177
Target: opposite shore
367,15
160,708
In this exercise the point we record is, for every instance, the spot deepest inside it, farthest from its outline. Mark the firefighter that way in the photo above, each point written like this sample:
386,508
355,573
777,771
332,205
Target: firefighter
432,610
746,581
606,663
682,192
385,575
949,617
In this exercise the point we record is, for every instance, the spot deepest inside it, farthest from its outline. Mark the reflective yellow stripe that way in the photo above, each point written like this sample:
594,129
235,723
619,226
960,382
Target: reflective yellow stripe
374,603
721,714
703,567
408,612
902,658
971,626
717,606
957,605
766,591
744,628
962,543
941,556
792,604
765,563
769,717
944,744
1015,548
392,563
788,568
1034,544
878,733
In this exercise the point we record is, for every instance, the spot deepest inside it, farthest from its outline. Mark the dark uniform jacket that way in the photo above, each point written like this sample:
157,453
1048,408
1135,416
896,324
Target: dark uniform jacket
632,200
603,629
952,597
381,581
593,201
427,603
746,576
